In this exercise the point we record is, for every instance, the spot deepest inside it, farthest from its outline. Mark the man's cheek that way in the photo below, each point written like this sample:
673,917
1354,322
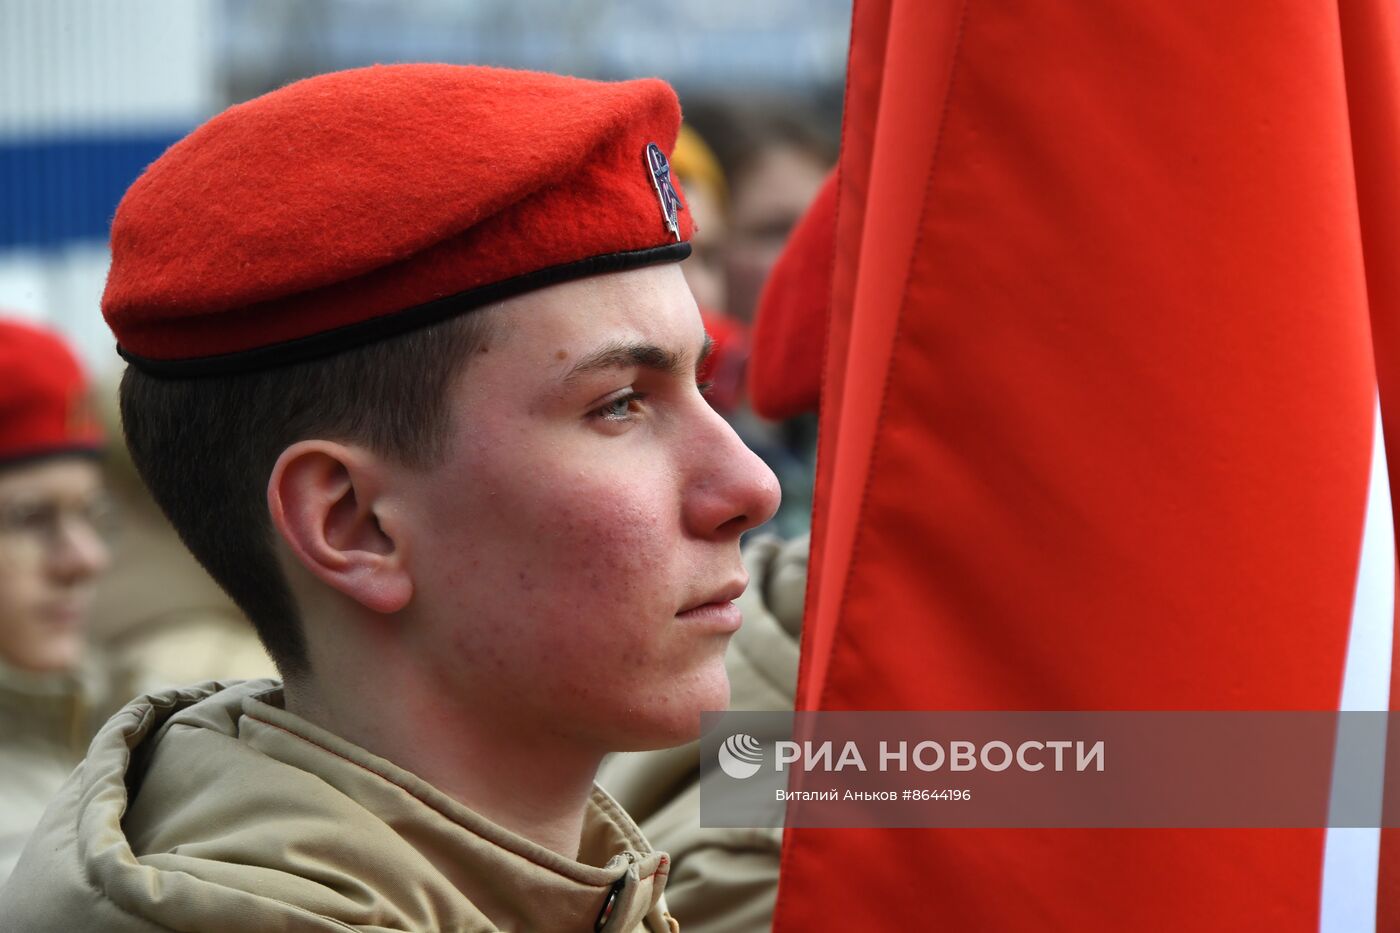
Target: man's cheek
614,523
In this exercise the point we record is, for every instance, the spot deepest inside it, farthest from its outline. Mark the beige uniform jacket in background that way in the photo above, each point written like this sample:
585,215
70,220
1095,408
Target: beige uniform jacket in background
212,809
46,721
724,880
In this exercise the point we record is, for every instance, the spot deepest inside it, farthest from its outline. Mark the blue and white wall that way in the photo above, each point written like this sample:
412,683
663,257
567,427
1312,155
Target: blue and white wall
91,91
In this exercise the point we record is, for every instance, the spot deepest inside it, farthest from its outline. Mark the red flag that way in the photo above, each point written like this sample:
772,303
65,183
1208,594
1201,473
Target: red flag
1100,428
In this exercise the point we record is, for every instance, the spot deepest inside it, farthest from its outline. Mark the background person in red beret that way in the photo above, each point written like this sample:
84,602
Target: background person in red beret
52,504
413,374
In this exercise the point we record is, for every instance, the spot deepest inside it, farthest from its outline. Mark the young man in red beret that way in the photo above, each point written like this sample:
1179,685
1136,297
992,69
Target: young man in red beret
51,504
413,375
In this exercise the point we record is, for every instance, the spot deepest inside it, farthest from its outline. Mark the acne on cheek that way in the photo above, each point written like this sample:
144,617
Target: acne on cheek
477,648
615,530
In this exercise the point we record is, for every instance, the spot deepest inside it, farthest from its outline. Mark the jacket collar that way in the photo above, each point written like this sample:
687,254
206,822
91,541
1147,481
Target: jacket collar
515,882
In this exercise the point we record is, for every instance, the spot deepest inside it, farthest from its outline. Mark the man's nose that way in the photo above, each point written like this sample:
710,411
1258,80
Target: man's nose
732,489
77,552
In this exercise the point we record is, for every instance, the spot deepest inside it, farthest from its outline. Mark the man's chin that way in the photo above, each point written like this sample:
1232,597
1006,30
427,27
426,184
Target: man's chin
54,654
682,723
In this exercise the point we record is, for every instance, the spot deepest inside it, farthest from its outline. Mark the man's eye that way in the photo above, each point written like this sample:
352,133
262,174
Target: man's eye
622,408
27,516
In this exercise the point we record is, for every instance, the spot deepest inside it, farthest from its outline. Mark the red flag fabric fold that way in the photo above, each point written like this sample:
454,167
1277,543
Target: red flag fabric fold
1113,284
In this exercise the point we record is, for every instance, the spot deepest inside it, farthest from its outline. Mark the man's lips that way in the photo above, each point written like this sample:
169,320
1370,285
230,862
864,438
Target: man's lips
718,609
63,614
721,595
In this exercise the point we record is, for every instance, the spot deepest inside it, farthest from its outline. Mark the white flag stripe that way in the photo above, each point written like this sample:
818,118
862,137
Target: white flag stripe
1351,855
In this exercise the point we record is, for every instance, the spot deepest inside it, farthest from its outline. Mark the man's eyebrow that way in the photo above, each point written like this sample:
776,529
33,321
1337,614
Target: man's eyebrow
624,355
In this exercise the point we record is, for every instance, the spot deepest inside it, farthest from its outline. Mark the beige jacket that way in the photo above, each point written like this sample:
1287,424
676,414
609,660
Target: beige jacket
725,880
46,721
212,809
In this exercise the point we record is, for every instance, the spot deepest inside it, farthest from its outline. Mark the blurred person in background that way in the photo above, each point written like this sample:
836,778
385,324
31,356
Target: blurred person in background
775,155
707,198
53,510
694,163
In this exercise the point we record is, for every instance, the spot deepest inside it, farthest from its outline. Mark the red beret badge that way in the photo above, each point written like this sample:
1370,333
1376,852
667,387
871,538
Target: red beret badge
661,180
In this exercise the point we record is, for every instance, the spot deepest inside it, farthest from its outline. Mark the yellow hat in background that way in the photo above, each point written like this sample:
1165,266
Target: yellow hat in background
694,162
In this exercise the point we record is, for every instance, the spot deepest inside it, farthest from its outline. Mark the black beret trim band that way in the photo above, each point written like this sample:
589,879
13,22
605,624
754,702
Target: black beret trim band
33,455
390,325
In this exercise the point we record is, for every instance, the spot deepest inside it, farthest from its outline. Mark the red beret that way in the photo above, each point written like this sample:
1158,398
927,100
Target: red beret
351,206
789,333
44,403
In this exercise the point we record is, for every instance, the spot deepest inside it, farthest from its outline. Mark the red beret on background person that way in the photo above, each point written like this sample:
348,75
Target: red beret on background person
789,331
413,375
45,408
52,503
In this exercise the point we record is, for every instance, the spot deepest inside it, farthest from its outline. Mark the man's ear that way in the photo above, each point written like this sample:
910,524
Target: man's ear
325,502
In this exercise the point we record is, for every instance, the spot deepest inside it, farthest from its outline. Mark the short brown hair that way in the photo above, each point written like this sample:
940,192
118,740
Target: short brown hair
205,447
